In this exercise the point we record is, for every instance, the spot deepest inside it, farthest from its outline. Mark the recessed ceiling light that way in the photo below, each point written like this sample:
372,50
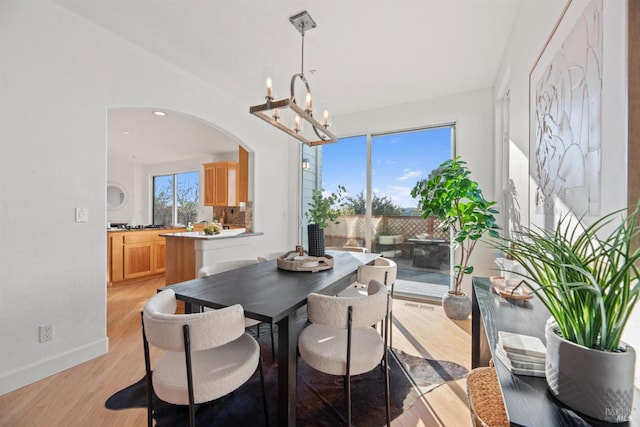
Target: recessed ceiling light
160,113
126,132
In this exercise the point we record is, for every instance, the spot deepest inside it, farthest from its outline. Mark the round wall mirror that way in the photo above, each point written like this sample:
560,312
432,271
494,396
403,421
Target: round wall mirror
116,196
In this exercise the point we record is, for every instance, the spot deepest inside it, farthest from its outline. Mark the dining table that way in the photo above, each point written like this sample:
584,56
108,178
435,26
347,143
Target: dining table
273,295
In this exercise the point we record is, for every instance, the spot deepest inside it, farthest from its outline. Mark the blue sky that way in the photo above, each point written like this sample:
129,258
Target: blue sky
398,162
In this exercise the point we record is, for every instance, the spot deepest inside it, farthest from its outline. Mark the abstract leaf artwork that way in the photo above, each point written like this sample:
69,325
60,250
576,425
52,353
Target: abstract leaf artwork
565,126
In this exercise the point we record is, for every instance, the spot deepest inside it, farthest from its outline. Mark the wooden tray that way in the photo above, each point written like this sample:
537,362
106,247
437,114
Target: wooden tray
306,263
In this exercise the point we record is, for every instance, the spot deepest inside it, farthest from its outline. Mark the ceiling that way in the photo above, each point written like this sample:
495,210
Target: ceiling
366,54
140,135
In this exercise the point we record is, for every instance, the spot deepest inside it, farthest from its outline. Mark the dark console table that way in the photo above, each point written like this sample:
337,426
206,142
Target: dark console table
526,399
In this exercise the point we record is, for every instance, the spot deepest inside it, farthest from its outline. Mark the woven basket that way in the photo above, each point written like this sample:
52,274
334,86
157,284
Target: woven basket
485,399
308,264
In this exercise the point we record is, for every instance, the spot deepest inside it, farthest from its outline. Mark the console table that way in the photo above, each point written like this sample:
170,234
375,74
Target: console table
526,399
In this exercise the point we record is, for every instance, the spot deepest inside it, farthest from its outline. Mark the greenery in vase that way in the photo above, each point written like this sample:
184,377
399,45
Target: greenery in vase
450,195
588,283
212,228
323,210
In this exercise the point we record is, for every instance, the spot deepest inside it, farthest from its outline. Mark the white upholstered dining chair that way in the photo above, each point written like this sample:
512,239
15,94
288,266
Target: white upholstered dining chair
206,355
383,270
340,339
348,249
223,266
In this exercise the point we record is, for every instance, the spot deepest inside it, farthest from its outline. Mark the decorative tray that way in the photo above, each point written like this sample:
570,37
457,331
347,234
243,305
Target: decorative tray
506,288
293,262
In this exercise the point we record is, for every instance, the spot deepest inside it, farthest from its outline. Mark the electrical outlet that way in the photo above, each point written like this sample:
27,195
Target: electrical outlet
46,333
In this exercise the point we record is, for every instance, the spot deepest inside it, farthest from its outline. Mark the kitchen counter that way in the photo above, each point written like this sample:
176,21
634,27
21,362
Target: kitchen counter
159,229
224,234
188,251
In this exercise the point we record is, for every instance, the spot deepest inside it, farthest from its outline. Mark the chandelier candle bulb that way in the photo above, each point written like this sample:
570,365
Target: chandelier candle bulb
308,101
269,88
276,114
298,125
325,119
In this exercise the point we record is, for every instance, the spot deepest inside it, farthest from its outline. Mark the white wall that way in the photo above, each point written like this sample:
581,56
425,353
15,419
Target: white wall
535,22
60,74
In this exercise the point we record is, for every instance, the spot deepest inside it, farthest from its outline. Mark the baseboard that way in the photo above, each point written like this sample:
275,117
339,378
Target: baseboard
45,368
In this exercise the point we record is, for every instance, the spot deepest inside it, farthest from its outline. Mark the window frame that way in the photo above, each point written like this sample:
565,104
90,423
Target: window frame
174,194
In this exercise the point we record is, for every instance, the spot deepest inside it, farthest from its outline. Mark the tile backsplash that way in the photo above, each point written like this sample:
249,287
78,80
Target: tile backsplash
231,215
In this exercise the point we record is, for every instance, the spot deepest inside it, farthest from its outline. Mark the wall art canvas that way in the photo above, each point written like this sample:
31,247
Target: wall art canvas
566,116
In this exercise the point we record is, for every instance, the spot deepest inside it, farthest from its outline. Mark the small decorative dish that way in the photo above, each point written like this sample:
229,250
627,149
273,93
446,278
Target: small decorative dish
509,289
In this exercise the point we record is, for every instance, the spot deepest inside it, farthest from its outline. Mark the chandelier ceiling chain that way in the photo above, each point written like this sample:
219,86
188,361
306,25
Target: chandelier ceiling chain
270,111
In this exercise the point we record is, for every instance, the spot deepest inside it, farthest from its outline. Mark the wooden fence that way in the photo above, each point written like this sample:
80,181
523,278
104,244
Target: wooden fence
350,230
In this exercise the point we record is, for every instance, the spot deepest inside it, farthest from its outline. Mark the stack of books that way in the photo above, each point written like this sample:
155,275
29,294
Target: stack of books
522,354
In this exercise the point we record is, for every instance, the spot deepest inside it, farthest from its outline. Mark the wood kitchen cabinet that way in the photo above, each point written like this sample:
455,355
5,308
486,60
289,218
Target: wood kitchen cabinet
135,254
221,184
243,175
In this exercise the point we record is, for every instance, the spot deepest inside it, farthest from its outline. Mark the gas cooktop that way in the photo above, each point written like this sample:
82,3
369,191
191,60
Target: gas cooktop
136,227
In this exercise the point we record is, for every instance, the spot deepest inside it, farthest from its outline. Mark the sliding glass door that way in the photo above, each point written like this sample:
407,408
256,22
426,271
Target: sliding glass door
378,172
398,161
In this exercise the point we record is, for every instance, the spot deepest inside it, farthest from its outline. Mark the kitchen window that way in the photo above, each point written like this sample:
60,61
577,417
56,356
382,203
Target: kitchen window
175,198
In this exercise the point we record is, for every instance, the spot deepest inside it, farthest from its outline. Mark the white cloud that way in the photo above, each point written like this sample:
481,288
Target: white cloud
400,195
409,174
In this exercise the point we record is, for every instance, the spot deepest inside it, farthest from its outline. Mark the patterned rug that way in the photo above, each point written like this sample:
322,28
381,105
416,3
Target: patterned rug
321,399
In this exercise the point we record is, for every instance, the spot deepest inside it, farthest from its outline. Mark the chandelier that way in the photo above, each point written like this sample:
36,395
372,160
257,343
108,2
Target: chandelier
271,111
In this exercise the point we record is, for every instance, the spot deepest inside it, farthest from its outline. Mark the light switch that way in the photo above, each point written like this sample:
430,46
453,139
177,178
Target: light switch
82,214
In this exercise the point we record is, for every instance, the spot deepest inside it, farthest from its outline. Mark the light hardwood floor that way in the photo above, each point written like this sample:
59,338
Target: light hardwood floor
76,396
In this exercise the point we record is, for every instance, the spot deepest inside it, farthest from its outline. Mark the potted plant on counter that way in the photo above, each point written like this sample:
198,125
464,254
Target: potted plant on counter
451,196
322,211
588,279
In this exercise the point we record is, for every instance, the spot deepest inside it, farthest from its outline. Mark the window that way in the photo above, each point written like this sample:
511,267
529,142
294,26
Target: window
379,171
175,198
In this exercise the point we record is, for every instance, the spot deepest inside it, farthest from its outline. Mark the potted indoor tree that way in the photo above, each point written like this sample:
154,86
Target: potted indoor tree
587,278
322,210
457,201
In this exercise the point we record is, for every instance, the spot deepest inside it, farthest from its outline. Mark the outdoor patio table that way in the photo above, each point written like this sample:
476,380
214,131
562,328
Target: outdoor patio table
421,250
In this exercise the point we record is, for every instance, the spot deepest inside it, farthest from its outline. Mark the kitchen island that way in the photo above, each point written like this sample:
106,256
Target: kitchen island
187,252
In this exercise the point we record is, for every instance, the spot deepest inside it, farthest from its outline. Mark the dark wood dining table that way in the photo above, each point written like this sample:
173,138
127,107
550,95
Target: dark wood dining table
272,295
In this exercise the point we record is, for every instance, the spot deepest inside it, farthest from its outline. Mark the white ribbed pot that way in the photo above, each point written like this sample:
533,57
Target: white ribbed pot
594,382
456,307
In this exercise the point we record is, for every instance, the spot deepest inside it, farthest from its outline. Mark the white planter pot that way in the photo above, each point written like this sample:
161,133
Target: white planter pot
594,382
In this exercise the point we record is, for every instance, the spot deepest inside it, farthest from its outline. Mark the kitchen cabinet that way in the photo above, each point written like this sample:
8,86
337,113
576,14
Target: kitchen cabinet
159,254
221,184
135,254
243,175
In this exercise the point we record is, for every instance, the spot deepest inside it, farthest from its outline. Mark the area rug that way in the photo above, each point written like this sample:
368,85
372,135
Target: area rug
321,399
